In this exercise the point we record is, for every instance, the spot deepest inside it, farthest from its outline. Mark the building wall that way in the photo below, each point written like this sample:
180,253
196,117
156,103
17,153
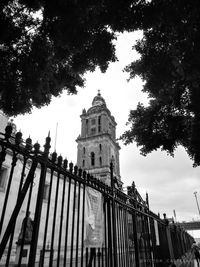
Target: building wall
3,121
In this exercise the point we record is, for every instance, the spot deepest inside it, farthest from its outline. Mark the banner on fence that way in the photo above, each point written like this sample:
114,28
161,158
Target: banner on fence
94,218
156,233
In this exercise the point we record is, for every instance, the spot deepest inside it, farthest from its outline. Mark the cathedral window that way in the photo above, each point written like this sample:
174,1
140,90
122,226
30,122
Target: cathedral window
92,159
93,126
93,121
93,131
113,161
84,150
99,124
110,128
86,126
83,165
100,148
3,178
100,161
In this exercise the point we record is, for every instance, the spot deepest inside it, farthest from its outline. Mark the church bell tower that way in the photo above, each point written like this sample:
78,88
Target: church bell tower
97,145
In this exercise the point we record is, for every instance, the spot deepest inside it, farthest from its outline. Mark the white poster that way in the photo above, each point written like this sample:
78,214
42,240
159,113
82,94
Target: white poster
156,233
94,218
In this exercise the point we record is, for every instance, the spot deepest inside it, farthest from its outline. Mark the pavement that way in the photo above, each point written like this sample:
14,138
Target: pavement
186,261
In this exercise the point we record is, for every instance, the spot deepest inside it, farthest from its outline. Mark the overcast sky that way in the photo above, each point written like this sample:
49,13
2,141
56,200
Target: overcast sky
170,182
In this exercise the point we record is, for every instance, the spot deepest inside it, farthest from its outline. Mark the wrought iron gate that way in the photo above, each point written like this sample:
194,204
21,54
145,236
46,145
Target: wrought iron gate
56,214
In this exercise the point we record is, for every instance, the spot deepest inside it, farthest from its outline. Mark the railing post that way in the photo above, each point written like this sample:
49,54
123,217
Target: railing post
169,240
137,260
113,217
131,193
38,208
13,218
150,244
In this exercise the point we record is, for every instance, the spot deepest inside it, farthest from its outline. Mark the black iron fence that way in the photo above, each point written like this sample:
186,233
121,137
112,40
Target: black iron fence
56,214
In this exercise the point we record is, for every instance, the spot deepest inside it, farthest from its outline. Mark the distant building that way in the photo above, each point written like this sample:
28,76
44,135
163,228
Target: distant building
97,145
3,121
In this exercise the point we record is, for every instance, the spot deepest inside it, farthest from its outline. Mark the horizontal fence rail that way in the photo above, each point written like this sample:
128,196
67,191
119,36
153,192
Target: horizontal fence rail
53,213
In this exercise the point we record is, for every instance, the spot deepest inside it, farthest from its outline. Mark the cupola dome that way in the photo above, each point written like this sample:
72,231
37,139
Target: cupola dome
98,100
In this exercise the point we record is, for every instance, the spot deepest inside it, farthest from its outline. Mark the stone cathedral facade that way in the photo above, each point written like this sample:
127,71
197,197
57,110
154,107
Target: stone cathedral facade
97,148
97,145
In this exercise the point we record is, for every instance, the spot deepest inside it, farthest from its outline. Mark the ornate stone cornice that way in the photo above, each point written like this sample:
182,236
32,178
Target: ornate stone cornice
100,135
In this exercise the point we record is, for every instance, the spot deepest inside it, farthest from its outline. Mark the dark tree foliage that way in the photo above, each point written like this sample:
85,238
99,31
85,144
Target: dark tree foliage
46,46
170,67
